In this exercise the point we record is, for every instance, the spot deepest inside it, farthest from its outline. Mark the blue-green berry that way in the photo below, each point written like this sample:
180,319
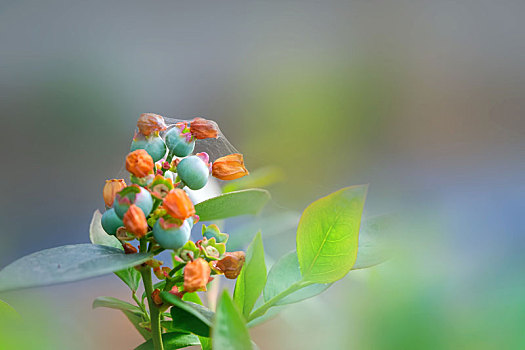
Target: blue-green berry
155,147
179,143
170,235
133,195
111,222
193,172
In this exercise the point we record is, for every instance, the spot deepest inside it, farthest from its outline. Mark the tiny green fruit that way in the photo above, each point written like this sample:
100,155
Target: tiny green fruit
194,172
111,222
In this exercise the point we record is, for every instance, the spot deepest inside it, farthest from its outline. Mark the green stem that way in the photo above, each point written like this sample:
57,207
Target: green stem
264,307
140,304
156,331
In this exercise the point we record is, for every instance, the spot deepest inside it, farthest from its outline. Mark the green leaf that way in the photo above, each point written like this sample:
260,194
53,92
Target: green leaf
328,234
97,235
232,204
131,277
262,177
66,264
373,237
252,278
117,304
283,274
173,340
205,343
271,313
229,328
189,317
132,312
7,313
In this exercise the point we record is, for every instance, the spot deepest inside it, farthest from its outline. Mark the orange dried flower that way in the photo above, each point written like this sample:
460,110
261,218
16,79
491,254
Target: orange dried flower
149,123
139,163
203,129
128,248
196,275
155,296
178,204
231,264
111,188
135,221
229,167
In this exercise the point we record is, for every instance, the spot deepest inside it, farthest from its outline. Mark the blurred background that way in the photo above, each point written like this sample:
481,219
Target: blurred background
424,100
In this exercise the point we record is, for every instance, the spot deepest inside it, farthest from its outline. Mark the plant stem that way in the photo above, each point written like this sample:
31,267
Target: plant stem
156,332
264,307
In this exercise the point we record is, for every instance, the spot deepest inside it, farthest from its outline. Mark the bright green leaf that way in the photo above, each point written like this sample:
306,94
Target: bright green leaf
172,340
252,278
66,264
205,343
7,312
262,177
189,317
232,204
229,328
328,234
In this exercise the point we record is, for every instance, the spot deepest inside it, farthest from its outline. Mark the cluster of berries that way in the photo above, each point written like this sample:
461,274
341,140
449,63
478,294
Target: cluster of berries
155,208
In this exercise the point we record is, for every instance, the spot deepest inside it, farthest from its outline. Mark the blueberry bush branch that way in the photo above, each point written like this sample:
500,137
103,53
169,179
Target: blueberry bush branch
153,211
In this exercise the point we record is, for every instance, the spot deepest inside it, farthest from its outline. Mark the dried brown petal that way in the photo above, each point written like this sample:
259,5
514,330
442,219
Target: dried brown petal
229,167
139,163
196,275
231,264
178,204
203,129
149,123
111,188
135,221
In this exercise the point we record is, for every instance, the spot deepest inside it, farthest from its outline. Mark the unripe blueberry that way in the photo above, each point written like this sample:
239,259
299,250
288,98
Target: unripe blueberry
193,172
133,195
111,222
179,142
171,235
155,147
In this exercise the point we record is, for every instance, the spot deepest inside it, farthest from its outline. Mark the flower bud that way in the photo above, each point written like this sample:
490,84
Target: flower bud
194,171
231,264
149,123
229,167
111,222
171,234
179,140
135,221
154,145
178,204
139,163
196,275
111,188
202,128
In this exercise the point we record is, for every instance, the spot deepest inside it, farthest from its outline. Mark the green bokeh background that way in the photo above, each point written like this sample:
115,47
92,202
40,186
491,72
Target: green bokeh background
423,100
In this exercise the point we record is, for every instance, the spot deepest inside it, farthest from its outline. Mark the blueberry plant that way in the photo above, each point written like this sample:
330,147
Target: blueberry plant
153,211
